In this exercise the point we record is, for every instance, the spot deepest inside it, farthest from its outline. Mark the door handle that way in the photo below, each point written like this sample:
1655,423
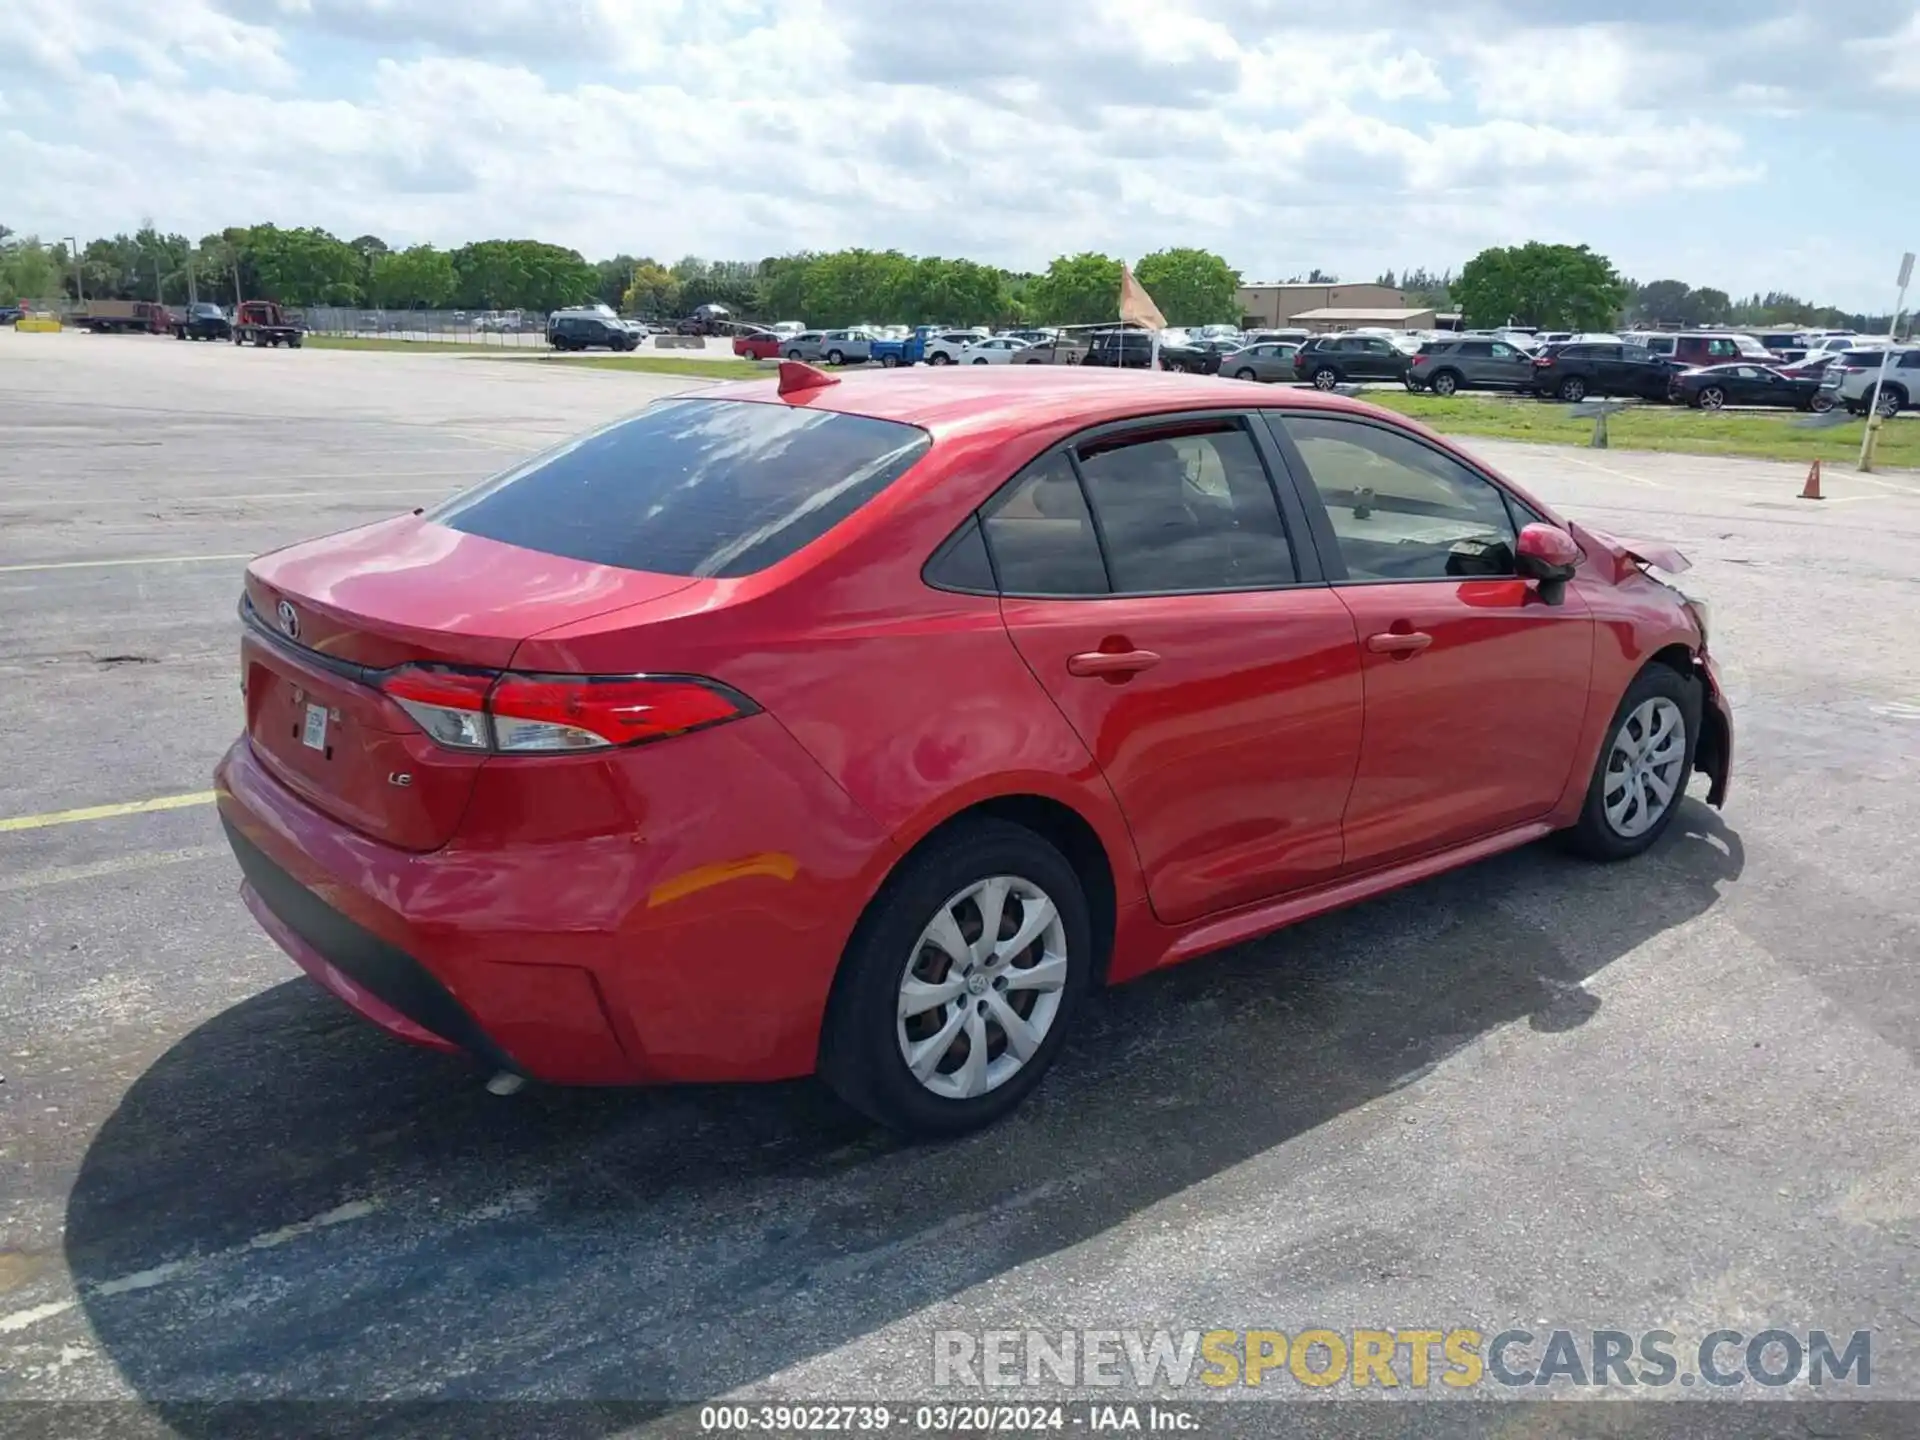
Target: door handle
1111,662
1394,643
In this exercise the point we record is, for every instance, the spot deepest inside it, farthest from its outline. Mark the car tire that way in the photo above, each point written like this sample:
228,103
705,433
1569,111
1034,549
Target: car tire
1443,383
1325,378
890,362
1245,373
939,357
1613,828
1710,398
1893,399
1573,389
864,1040
1820,404
836,357
979,361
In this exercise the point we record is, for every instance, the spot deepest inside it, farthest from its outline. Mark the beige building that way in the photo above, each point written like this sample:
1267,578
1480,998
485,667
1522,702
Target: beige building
1273,306
1354,317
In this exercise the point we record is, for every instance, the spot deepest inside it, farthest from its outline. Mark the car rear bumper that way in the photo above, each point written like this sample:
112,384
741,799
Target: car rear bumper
697,945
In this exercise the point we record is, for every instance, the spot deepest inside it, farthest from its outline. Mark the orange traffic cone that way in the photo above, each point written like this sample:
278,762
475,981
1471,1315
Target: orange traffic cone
1811,490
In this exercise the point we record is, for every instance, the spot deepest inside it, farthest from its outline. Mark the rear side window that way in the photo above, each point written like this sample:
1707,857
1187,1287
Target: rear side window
692,487
1041,536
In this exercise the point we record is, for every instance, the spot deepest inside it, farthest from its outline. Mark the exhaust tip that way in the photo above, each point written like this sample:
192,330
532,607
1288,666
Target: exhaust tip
506,1083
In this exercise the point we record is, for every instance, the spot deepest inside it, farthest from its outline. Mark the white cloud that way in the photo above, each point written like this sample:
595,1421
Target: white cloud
1004,129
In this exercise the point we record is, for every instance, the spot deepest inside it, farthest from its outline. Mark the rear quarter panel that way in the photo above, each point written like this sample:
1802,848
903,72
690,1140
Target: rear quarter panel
913,700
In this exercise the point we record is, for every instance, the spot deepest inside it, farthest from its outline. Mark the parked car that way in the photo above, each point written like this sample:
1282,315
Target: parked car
589,330
846,347
1197,356
758,345
1292,337
1690,349
995,350
1068,347
1575,370
1175,651
10,314
943,347
1268,361
804,346
202,321
787,327
1444,366
1120,349
1712,387
1850,379
1787,345
1330,360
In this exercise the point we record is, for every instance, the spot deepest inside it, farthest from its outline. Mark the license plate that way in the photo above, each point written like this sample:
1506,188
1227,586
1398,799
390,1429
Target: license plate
314,734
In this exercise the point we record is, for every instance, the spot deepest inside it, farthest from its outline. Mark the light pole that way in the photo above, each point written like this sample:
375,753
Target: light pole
79,275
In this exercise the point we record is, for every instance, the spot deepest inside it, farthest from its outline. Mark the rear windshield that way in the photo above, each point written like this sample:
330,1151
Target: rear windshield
692,487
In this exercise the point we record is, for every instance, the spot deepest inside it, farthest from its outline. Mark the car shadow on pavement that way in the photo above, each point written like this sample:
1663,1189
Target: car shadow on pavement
289,1205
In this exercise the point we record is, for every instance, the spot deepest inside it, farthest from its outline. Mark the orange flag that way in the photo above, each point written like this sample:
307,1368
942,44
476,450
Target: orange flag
1136,305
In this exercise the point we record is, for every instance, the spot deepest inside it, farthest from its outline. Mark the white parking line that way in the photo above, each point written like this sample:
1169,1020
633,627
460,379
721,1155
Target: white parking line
1617,474
141,560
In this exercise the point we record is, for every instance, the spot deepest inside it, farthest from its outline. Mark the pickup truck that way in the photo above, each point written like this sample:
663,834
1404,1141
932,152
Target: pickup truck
265,323
935,344
107,317
202,322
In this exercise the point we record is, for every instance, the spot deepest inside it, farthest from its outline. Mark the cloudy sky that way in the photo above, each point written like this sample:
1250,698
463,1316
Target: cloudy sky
1750,145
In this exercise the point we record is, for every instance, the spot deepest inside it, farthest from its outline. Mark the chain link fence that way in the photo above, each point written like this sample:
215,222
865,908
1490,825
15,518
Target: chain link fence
505,328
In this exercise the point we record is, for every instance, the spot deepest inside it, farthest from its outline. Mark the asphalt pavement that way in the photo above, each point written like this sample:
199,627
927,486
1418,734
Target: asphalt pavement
1672,1094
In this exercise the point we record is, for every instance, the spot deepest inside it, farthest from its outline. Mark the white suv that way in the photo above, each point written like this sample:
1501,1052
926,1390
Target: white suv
1851,377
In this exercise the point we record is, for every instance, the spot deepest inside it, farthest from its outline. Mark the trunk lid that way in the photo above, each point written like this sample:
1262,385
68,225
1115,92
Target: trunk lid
326,619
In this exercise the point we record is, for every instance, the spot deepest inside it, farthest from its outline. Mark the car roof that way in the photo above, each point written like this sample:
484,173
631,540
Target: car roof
954,401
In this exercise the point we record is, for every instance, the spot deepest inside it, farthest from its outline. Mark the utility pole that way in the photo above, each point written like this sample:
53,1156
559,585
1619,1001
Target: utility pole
1874,418
79,275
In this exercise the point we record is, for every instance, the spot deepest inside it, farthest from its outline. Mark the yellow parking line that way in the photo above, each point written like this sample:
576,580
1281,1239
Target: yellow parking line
107,812
143,560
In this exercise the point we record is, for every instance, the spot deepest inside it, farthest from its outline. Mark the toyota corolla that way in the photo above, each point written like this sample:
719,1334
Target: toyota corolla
859,726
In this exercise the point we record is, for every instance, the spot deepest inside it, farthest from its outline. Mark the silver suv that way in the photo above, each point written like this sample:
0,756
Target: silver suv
1850,379
1444,366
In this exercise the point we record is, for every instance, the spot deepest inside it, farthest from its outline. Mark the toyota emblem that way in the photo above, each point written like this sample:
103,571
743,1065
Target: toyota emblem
289,620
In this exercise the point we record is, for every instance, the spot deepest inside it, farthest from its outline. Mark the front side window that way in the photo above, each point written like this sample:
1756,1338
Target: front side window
1187,511
1400,510
692,487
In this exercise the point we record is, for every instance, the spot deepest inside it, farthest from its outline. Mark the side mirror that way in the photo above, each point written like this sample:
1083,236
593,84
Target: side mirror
1548,554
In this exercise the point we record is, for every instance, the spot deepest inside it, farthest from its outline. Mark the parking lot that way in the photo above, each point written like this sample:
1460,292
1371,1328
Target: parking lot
1673,1094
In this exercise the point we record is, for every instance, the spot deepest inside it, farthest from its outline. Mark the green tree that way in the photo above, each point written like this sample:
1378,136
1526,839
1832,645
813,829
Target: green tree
1191,287
849,287
305,266
28,269
651,290
783,286
1712,307
1079,289
1558,287
417,276
612,277
520,275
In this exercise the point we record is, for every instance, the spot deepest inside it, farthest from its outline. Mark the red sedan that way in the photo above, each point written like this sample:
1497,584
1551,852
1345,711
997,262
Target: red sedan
757,345
859,726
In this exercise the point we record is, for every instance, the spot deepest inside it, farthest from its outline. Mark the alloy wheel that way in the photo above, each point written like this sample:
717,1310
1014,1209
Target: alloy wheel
1644,767
1325,379
1712,398
982,987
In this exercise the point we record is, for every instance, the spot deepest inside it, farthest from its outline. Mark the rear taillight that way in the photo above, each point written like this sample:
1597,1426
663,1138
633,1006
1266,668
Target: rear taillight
555,714
1420,359
448,704
1541,361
